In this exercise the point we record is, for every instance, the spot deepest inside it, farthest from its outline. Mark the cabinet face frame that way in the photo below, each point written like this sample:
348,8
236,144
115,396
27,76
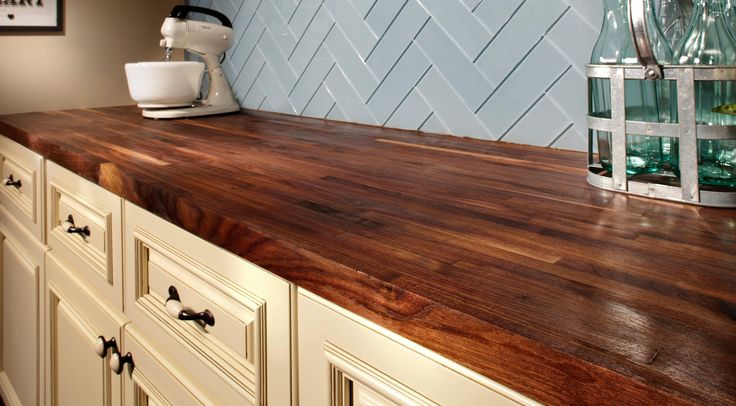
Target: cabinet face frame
28,254
338,348
82,309
257,298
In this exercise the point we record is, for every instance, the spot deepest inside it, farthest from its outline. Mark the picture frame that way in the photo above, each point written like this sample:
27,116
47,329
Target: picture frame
28,16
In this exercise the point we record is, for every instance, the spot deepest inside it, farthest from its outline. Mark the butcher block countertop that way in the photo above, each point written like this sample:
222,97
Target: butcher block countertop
497,256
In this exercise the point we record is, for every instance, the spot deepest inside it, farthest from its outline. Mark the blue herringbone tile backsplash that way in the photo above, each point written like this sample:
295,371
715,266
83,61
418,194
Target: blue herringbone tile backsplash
495,69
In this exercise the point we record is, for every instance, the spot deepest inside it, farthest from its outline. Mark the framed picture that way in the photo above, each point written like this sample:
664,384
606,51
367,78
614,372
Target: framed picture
30,15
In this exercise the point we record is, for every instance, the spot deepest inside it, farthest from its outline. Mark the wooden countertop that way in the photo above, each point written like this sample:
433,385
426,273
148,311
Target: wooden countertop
497,256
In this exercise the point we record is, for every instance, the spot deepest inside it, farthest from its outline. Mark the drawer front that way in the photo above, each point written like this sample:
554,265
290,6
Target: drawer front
347,360
94,214
21,191
248,345
158,380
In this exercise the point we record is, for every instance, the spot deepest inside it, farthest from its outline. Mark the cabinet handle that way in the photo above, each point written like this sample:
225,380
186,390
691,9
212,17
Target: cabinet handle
102,345
177,310
69,227
117,362
11,182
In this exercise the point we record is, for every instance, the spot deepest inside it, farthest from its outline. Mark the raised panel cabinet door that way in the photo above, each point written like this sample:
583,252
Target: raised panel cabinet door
346,360
77,320
20,276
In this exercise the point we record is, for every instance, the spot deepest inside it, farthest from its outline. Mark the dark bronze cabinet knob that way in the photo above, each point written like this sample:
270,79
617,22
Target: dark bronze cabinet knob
102,346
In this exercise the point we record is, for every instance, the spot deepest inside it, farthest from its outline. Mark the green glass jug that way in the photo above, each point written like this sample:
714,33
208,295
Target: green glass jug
652,101
709,41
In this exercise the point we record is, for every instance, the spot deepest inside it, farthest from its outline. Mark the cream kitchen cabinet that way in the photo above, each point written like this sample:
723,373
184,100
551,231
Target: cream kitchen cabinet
243,357
124,308
84,313
21,274
346,360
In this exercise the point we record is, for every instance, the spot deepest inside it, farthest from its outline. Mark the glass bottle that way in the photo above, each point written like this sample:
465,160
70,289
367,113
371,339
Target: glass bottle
674,21
709,42
729,10
645,100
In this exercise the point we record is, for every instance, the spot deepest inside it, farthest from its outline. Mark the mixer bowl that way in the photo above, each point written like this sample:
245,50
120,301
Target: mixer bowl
164,84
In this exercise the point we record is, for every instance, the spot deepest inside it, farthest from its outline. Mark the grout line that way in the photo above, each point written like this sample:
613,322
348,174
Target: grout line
370,9
291,17
431,113
396,16
521,117
511,72
247,59
554,23
554,82
309,25
318,87
334,104
557,138
503,26
314,55
407,95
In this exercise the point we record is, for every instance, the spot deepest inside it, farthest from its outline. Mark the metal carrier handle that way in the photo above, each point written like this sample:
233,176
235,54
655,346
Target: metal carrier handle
642,42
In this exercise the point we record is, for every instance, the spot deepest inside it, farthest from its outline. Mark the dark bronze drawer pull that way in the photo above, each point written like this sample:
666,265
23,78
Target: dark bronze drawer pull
11,182
178,311
68,225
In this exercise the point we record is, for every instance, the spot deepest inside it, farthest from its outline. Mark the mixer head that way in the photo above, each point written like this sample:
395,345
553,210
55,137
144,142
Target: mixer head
200,37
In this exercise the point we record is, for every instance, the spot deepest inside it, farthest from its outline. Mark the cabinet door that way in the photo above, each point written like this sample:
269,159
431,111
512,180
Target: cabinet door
20,278
76,374
345,360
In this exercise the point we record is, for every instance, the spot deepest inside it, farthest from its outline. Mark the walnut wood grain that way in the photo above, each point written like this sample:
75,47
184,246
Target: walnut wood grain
495,255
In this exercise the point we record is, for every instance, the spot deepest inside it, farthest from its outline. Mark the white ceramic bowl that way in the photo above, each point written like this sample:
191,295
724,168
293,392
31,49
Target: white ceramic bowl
164,84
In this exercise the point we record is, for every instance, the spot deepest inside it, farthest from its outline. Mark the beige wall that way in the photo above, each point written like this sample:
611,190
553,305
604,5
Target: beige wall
84,66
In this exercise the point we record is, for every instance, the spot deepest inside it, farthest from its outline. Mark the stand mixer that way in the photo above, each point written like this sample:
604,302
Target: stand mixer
209,41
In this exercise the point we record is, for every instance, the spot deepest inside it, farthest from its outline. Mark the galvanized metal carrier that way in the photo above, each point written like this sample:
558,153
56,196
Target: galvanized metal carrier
661,186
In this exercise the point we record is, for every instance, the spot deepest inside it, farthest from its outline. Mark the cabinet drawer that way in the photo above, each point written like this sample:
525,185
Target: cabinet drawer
249,343
347,360
94,250
21,191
